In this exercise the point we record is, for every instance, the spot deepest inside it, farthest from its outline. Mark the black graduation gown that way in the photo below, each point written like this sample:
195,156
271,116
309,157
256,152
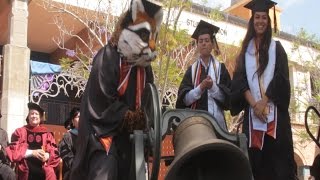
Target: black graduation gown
102,112
276,159
67,152
315,168
202,103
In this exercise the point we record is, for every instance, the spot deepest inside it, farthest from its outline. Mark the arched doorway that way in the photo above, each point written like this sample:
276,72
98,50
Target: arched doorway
302,170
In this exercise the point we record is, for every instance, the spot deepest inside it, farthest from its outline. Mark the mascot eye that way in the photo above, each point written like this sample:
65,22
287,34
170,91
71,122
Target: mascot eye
144,34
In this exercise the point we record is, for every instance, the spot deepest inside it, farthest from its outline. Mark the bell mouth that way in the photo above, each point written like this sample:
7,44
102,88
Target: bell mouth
211,159
200,155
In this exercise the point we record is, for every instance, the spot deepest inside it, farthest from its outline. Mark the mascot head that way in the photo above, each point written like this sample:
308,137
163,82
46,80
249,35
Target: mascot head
136,32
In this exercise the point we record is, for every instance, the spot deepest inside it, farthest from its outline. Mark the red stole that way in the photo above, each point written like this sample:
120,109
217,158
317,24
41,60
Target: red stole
196,81
125,70
256,137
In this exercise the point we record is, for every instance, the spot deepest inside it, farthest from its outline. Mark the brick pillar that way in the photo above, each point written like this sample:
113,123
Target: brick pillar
16,56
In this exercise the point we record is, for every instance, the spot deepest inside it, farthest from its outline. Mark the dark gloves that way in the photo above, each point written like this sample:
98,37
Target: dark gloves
134,120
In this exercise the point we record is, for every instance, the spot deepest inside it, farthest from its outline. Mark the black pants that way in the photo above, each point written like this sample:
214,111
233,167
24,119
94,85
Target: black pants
116,165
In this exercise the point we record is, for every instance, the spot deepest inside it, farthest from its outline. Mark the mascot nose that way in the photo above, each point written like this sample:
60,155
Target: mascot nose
152,44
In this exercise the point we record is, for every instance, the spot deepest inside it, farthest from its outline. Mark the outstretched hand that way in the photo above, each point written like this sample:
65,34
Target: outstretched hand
134,120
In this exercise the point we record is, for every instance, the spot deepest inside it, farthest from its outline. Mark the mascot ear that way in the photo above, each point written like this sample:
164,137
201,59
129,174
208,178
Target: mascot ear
136,6
154,11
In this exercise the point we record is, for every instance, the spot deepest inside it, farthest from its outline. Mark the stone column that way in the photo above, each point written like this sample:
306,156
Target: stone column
16,57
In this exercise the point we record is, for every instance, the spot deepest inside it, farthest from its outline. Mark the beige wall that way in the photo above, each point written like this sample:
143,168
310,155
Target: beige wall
16,55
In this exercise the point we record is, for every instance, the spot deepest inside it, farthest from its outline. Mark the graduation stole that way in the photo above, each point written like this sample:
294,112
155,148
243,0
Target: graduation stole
34,136
196,75
37,129
125,70
257,84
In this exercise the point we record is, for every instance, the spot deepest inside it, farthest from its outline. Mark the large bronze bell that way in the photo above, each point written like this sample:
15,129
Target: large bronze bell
200,155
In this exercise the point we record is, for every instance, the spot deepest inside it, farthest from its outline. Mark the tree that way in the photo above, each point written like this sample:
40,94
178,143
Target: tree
176,50
305,61
78,47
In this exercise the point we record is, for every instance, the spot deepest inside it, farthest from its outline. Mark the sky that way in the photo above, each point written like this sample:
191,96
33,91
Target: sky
300,13
296,14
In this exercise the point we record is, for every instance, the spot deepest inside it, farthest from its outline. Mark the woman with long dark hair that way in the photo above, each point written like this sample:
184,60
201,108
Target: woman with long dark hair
261,88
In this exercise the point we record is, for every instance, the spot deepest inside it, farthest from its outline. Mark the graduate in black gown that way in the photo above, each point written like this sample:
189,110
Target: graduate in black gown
67,145
110,107
261,87
206,83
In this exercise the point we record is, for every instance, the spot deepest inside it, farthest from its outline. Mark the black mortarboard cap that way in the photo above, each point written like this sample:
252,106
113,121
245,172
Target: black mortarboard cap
260,5
35,106
204,28
150,8
263,6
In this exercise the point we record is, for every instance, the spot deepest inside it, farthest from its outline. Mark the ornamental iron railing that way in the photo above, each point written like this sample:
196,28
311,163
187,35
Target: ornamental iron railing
51,85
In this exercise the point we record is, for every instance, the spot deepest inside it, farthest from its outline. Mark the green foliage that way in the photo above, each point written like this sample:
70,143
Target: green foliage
65,63
216,14
310,40
76,67
307,62
304,136
171,40
166,68
176,4
311,65
228,117
174,77
173,46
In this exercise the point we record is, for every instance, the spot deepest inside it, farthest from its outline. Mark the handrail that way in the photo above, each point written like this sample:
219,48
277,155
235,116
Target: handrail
316,140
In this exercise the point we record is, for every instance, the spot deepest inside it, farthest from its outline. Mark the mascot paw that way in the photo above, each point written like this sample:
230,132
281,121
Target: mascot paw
134,120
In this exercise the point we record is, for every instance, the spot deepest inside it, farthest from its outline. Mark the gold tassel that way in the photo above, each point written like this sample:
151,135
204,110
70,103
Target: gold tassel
44,118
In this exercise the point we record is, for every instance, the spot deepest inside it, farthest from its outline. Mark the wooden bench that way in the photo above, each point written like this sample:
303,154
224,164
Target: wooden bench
166,151
58,132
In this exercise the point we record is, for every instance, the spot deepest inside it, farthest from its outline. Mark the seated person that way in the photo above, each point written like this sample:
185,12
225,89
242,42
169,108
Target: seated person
33,148
67,144
5,170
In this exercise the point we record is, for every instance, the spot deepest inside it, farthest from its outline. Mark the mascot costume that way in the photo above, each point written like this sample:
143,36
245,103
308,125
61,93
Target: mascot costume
110,107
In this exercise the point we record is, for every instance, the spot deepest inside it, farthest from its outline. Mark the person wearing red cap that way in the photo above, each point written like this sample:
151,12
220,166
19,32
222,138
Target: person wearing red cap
33,148
261,87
